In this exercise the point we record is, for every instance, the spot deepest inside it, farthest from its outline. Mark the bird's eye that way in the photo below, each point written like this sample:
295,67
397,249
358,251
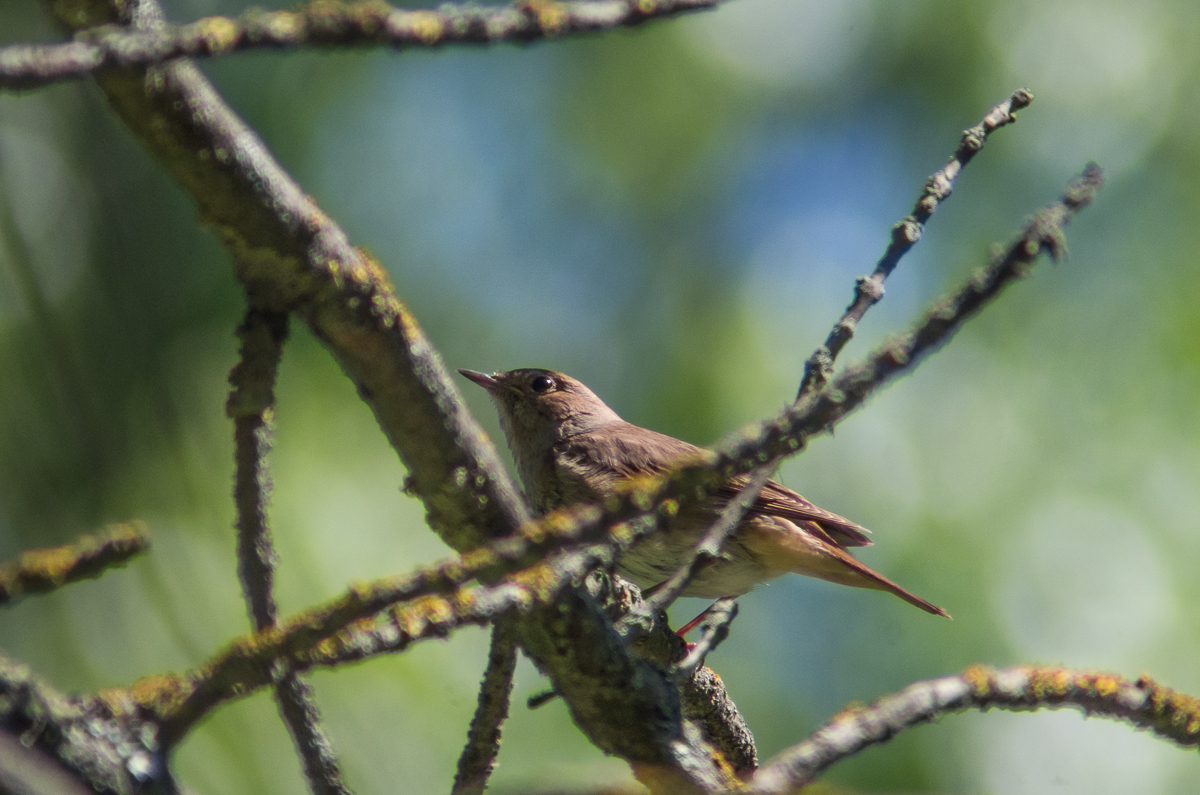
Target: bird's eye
541,384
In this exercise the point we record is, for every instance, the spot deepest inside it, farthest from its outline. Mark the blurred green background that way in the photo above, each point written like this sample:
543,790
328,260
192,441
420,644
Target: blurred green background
674,215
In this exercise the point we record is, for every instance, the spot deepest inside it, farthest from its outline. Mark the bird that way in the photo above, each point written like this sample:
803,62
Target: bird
571,447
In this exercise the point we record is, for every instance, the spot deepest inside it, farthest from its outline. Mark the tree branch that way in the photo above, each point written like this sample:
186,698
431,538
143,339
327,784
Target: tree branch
81,733
44,570
868,292
713,632
905,234
483,738
308,640
326,23
1169,714
252,405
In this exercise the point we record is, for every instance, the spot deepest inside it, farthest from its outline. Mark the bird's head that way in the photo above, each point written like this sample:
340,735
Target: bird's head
540,407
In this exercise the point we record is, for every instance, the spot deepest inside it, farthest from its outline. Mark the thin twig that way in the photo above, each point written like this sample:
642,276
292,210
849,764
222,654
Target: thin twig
868,291
251,405
326,23
708,549
483,738
298,707
714,630
44,570
1169,714
905,234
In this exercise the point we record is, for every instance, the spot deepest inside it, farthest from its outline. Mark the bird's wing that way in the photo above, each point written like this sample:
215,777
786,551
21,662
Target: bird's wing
778,500
629,450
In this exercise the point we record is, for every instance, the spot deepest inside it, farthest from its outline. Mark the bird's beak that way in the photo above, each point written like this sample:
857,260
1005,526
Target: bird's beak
488,382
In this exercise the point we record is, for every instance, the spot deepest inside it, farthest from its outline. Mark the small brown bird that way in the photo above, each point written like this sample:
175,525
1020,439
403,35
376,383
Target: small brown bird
571,447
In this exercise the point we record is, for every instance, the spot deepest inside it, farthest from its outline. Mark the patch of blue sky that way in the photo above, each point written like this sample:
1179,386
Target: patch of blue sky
454,179
813,209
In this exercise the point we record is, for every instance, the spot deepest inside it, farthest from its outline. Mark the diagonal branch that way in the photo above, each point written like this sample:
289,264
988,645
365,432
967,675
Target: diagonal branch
868,292
44,570
326,23
483,738
708,548
245,664
1146,704
252,406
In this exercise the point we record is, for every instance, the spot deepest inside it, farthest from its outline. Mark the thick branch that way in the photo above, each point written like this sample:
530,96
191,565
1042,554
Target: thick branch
326,23
1170,715
80,733
44,570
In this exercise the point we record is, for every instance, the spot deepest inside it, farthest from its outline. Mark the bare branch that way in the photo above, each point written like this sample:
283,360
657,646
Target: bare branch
311,639
102,751
1169,714
714,630
706,701
708,549
326,23
251,405
869,289
483,738
44,570
298,707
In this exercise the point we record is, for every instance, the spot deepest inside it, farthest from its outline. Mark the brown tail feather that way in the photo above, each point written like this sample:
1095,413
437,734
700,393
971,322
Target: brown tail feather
790,547
884,584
